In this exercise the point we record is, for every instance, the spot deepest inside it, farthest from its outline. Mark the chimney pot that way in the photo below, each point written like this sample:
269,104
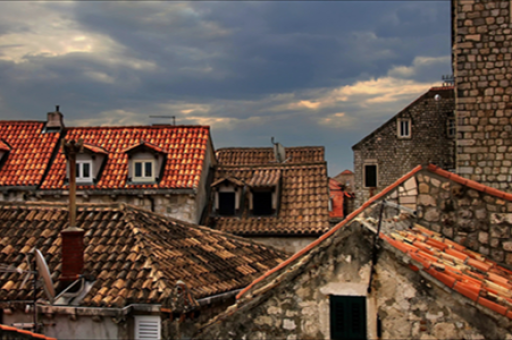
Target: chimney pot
55,119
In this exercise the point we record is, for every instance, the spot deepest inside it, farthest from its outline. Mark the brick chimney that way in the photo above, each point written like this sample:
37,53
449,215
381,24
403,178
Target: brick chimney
72,254
55,119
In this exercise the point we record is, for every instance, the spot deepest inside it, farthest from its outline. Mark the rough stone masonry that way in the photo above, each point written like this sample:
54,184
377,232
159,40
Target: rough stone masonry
482,55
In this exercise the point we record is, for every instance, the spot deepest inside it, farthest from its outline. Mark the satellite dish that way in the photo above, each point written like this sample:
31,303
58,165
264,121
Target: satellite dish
44,273
279,152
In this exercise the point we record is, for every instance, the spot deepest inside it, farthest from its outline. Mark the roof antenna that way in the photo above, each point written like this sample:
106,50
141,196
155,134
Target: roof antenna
57,108
166,117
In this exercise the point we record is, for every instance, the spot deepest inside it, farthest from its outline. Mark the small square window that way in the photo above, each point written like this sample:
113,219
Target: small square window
370,176
83,171
262,203
143,171
226,203
404,128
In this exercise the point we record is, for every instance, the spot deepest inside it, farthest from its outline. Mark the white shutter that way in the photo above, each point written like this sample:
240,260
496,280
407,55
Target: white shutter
147,327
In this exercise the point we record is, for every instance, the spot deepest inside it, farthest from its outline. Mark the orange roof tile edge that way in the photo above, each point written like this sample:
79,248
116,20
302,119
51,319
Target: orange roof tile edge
431,167
35,335
4,146
143,143
332,231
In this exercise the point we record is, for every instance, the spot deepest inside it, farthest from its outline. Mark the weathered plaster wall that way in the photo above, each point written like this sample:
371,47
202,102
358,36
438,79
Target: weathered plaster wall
394,156
298,307
83,327
288,244
482,55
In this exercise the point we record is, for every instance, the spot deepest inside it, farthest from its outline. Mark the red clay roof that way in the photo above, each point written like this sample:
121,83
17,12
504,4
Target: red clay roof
459,268
30,153
14,333
184,146
262,156
347,172
337,196
465,271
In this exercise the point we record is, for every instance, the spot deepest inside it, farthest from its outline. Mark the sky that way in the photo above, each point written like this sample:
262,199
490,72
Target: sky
306,73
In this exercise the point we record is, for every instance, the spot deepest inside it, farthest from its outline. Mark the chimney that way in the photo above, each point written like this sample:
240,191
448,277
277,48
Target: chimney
72,254
55,119
72,237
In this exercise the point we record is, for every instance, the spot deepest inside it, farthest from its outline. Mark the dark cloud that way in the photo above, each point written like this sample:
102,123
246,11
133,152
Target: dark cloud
243,66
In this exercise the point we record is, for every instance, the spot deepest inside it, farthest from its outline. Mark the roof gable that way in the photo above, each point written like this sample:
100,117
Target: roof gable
467,272
429,94
185,148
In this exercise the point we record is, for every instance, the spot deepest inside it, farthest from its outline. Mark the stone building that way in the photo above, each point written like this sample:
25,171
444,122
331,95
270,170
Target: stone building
346,178
482,54
282,203
422,133
424,277
131,261
164,168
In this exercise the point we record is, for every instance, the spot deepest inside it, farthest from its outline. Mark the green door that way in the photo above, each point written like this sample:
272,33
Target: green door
348,317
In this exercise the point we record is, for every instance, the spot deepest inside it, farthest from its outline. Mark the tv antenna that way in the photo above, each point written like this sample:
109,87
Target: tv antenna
166,117
279,152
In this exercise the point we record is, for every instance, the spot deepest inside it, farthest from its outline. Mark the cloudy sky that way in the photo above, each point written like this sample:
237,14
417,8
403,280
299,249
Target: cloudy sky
307,73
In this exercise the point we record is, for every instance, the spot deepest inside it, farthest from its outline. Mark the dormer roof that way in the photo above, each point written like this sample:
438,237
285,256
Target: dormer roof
4,147
143,145
95,149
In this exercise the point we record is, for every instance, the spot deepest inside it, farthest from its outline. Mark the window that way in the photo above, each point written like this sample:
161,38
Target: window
147,327
404,128
370,176
262,203
143,170
348,317
451,130
83,171
226,203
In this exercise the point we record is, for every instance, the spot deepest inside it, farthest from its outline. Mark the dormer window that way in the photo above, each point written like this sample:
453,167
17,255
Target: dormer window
89,162
4,150
227,196
145,162
262,202
83,171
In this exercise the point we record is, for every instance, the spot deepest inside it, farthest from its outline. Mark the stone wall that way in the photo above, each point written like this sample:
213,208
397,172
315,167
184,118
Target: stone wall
394,156
298,306
179,206
482,54
476,220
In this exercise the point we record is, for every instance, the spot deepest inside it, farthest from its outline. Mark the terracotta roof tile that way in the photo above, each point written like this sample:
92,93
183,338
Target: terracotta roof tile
265,178
184,146
4,146
262,156
129,252
95,149
30,152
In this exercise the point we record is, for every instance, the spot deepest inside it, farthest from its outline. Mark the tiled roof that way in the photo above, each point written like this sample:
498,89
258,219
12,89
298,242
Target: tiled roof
184,146
134,256
145,144
459,268
303,203
467,272
261,156
8,332
346,172
30,153
265,178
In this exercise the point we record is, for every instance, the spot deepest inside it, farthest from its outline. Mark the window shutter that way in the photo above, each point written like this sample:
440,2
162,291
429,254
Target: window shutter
147,327
348,317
